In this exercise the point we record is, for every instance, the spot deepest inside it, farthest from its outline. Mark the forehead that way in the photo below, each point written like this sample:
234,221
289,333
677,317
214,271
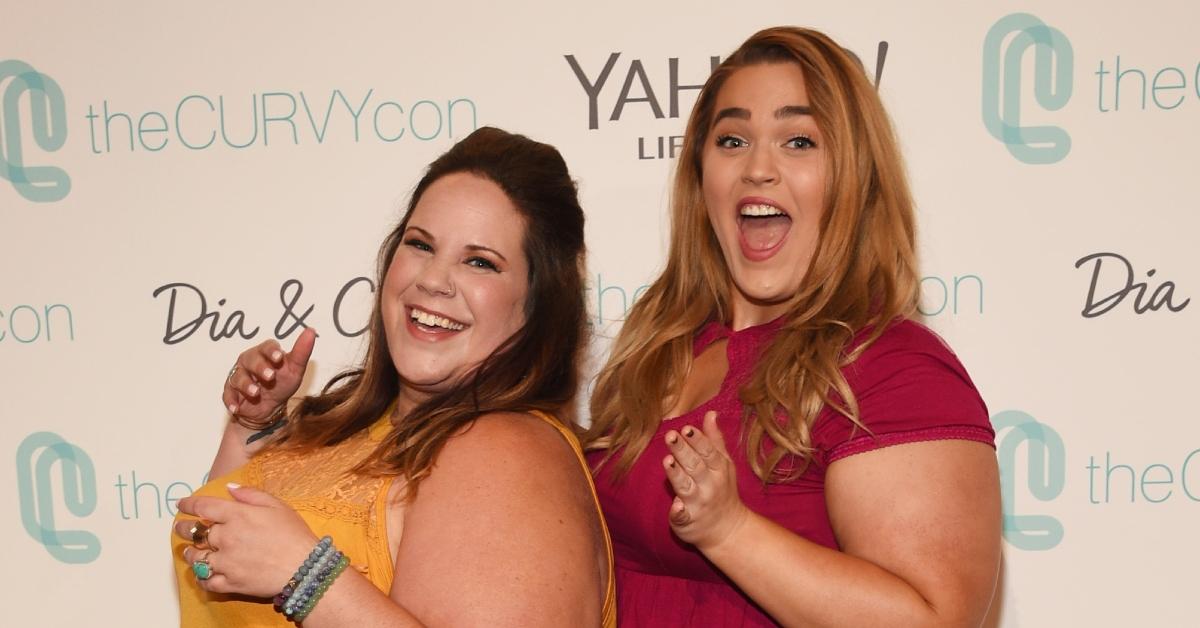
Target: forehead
764,87
470,207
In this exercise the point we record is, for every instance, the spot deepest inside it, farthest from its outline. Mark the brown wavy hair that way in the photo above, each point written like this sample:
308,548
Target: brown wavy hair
534,369
862,276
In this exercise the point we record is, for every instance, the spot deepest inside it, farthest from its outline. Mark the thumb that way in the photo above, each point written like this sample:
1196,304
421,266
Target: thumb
303,348
252,496
678,514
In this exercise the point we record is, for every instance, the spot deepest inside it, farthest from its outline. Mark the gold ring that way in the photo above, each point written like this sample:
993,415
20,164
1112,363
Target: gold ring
199,532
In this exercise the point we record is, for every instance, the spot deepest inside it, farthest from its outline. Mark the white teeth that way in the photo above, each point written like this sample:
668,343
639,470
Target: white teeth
433,320
761,210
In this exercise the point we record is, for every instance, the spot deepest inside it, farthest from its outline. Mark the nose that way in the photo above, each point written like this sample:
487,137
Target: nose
760,167
435,280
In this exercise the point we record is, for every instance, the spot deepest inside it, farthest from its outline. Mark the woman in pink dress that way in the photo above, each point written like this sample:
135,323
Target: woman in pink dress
776,440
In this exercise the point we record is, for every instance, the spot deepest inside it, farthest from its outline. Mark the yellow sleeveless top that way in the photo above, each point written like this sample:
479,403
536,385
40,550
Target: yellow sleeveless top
348,507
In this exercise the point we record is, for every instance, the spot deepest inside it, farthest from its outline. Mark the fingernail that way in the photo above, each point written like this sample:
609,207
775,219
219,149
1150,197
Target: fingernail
253,389
672,437
268,373
671,463
277,356
233,485
232,408
689,432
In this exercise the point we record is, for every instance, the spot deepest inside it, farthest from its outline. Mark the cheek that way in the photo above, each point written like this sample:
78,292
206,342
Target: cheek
499,310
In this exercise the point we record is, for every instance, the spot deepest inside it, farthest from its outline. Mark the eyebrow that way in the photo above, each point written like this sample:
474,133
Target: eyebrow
469,247
740,113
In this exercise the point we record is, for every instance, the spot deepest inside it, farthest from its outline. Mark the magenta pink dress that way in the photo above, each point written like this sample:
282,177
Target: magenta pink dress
910,387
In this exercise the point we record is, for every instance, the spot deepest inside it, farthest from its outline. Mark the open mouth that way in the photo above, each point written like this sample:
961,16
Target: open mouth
763,227
432,322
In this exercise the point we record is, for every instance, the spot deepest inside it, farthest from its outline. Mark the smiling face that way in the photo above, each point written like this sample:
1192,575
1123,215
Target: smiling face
763,179
455,288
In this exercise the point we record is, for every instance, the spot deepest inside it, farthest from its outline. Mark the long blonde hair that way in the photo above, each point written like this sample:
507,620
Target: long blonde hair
862,276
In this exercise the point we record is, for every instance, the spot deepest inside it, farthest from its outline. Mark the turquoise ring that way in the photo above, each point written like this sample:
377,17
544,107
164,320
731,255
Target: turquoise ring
202,570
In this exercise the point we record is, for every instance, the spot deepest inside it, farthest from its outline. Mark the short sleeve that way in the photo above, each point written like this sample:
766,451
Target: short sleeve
910,387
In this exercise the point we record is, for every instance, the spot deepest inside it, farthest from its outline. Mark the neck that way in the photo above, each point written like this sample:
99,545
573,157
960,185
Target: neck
747,313
408,399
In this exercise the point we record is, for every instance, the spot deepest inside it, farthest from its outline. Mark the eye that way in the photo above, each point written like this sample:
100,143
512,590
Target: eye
482,263
418,244
801,142
730,141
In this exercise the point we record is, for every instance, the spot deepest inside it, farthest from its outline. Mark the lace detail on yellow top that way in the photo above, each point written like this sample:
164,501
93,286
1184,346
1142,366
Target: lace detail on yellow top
333,491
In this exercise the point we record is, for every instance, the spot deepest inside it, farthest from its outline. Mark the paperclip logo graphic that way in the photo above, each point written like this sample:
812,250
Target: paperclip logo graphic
1053,69
1045,476
36,456
48,118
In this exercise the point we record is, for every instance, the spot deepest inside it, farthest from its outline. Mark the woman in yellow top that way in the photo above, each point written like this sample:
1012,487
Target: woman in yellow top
444,490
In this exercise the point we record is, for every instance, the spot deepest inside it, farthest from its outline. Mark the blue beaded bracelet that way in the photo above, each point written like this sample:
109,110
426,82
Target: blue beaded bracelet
285,601
326,582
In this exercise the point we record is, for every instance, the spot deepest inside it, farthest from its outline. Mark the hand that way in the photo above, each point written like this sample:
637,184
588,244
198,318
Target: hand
258,541
264,377
707,509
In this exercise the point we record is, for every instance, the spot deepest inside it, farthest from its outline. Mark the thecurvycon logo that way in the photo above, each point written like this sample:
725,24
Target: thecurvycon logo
1044,473
1004,49
47,125
37,458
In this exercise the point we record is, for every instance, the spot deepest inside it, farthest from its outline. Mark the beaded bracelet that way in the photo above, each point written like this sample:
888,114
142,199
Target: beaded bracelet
302,572
326,582
313,578
312,582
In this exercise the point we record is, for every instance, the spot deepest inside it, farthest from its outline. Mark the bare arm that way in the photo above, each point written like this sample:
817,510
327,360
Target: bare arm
919,526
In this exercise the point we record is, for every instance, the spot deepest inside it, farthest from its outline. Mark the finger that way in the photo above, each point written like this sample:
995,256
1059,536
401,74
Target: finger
270,351
680,481
302,349
258,364
713,432
231,398
253,496
243,382
211,509
183,529
678,515
192,554
217,583
704,446
684,453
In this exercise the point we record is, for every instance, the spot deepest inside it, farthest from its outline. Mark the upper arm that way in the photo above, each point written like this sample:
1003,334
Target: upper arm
504,531
928,512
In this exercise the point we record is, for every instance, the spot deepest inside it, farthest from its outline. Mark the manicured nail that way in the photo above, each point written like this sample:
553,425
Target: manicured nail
672,437
253,389
671,463
277,356
233,485
689,432
232,408
268,373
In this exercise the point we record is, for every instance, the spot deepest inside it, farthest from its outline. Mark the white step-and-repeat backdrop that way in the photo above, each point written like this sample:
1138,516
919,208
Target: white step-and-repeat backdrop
177,183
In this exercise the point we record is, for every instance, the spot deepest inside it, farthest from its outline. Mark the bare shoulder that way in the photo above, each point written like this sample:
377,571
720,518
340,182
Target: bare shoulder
508,442
503,531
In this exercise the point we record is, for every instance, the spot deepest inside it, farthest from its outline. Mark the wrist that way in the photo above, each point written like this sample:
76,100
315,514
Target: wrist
738,523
